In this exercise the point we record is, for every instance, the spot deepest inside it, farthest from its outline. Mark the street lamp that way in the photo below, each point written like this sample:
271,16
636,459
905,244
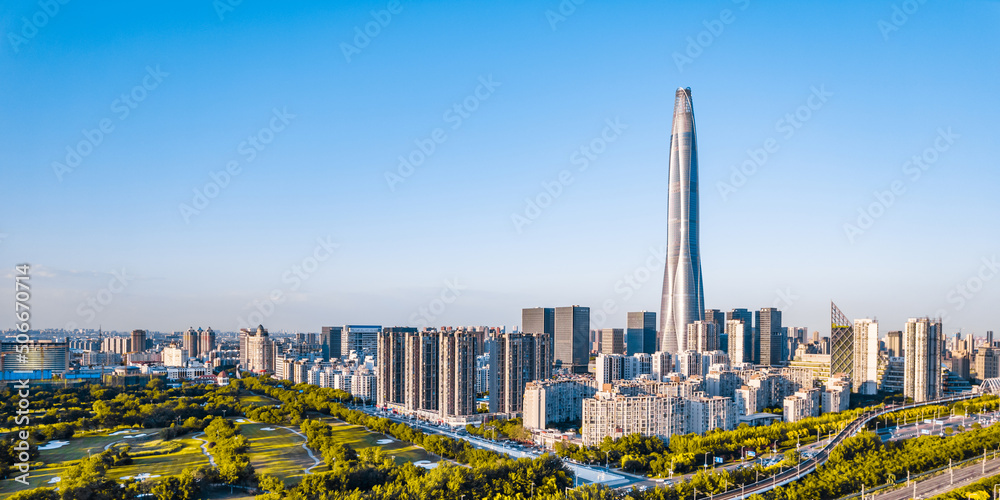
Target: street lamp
743,492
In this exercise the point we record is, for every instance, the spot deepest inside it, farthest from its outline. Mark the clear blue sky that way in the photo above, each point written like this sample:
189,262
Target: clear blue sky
557,81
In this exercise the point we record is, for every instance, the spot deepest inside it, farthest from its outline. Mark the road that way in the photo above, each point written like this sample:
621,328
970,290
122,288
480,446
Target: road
943,482
584,473
808,466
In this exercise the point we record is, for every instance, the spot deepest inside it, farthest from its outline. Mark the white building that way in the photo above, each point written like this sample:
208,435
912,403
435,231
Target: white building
555,401
662,365
705,413
174,356
866,356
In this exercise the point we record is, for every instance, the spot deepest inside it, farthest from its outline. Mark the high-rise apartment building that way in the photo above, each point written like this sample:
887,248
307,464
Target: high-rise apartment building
458,373
702,336
515,360
768,321
865,376
662,365
138,340
894,344
572,331
206,342
256,350
421,369
640,333
740,341
922,355
555,401
190,342
718,318
683,297
987,363
391,347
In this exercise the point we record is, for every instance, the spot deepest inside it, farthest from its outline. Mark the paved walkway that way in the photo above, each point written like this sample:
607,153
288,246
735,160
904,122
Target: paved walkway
317,462
204,448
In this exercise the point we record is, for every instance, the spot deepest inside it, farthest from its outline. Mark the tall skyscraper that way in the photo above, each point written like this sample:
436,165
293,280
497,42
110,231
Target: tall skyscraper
865,379
330,340
206,342
640,332
718,318
515,360
612,341
772,340
256,350
841,344
421,370
572,334
740,341
458,373
922,359
538,320
894,344
138,340
391,385
190,340
683,299
360,338
702,336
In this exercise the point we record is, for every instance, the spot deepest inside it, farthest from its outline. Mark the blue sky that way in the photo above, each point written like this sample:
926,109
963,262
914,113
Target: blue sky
311,219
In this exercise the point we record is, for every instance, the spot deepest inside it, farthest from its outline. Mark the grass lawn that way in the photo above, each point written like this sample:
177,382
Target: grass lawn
56,461
278,452
359,437
259,400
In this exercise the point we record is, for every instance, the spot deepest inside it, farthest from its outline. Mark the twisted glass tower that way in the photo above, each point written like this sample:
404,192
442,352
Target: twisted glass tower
683,299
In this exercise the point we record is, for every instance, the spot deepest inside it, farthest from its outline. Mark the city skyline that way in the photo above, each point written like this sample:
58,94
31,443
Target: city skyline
312,214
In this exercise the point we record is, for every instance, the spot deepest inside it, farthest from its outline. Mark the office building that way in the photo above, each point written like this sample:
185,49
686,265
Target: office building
458,373
768,325
613,341
362,339
683,297
922,339
640,333
841,343
572,331
331,341
539,320
33,356
866,351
